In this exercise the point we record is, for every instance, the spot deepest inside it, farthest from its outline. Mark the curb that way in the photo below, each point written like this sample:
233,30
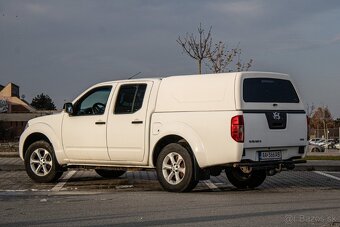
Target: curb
328,166
9,155
317,168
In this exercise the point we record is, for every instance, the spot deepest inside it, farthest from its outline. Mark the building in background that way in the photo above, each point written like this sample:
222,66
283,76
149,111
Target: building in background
10,101
15,112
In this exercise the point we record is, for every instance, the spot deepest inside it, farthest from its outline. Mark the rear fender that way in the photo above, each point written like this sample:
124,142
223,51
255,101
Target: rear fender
160,131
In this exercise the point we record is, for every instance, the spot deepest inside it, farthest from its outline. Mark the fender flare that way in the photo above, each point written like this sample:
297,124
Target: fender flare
184,131
47,131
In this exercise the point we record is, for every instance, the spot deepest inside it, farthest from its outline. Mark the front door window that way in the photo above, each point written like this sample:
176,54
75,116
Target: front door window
94,102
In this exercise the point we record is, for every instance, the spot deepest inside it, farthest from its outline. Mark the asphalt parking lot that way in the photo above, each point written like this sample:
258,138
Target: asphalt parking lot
14,178
83,198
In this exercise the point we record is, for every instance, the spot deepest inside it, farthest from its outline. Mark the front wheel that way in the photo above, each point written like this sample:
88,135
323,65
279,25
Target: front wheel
245,177
41,164
175,169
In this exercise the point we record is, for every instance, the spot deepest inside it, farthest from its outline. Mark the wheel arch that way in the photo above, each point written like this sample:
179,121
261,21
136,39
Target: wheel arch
190,142
41,131
34,137
164,141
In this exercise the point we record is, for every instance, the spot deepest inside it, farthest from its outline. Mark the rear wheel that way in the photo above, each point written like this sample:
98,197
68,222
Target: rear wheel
245,177
41,164
175,169
109,173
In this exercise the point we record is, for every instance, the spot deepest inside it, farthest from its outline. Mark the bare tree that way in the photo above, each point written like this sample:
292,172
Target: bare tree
310,110
322,119
197,48
219,57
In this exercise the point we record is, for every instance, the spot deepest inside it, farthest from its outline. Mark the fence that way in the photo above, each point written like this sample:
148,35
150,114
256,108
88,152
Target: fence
328,133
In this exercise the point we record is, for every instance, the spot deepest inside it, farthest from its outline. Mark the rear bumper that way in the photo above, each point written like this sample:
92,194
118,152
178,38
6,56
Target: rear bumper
287,153
288,164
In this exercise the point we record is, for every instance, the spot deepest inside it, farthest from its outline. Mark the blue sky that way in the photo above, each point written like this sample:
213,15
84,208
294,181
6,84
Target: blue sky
62,47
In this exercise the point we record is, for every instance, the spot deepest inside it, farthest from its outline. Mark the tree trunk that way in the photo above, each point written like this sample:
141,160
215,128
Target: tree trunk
199,66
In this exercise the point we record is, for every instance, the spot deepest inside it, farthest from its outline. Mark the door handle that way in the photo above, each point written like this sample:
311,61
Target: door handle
137,122
100,123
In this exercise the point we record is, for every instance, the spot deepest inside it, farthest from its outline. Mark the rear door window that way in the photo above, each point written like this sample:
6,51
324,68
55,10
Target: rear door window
269,90
130,98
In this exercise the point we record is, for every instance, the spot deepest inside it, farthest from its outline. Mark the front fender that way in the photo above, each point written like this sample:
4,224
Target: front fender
46,130
160,130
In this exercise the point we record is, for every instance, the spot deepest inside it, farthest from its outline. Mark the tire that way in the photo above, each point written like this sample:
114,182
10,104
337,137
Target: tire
175,169
109,173
41,164
242,180
315,149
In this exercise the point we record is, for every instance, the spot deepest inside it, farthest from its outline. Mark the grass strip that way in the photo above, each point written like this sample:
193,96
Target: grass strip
337,158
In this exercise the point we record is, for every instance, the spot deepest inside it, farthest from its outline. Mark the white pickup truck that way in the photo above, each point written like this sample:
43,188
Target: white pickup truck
250,124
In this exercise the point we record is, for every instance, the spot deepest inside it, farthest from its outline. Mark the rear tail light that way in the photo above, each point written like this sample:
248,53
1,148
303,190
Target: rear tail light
237,128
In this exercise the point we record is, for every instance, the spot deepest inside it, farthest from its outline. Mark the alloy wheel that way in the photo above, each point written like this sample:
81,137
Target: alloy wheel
173,168
41,162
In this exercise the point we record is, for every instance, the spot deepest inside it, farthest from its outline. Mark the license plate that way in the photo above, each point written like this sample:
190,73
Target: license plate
270,155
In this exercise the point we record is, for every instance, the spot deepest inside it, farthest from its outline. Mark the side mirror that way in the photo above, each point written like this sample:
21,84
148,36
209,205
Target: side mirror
68,107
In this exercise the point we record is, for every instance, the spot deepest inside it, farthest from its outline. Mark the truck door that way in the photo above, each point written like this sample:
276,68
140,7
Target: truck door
126,122
84,132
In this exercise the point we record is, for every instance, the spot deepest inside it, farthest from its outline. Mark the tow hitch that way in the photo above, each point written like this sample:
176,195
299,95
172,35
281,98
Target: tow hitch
272,167
272,172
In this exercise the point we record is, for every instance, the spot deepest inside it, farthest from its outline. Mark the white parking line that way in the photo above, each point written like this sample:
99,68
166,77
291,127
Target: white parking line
61,184
327,175
211,185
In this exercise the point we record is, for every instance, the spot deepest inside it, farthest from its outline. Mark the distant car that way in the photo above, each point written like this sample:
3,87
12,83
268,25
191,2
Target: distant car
314,141
329,144
321,142
337,146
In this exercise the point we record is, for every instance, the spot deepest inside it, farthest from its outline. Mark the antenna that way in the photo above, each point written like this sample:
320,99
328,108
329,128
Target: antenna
134,75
